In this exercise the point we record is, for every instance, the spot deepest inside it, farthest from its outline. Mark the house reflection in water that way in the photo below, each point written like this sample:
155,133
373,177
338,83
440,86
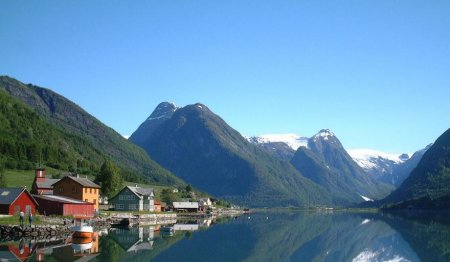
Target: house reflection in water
134,239
17,251
51,250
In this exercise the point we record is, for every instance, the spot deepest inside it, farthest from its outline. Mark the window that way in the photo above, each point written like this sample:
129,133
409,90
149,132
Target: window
90,190
120,197
5,193
95,201
74,189
132,206
86,200
85,190
61,190
119,206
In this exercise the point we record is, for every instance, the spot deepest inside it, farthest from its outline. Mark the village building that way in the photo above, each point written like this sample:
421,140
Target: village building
63,206
204,204
41,184
158,206
16,199
78,188
134,199
185,206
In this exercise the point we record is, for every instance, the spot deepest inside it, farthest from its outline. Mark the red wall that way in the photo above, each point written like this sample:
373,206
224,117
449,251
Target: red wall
64,209
47,207
23,200
79,209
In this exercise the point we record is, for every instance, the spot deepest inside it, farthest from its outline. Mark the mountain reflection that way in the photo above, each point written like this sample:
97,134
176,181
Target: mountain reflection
261,236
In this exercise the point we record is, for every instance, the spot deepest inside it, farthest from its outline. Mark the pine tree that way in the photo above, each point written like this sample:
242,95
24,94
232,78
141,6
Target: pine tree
2,176
109,178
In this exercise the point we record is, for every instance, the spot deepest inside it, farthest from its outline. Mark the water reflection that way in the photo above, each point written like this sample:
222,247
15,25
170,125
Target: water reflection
269,236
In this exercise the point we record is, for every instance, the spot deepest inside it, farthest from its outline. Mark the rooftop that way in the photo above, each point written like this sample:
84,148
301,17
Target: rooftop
141,191
82,181
185,204
61,199
9,194
47,183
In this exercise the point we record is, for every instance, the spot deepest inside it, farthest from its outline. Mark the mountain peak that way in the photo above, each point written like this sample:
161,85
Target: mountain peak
163,110
324,133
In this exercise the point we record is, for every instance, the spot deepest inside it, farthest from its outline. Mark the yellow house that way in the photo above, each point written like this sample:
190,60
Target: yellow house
78,188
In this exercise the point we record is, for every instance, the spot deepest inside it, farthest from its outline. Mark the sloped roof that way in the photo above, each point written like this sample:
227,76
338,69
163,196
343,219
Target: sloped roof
141,191
47,184
185,204
9,194
82,181
62,199
138,191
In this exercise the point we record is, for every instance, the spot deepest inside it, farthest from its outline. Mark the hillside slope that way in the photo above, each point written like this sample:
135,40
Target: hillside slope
428,186
66,115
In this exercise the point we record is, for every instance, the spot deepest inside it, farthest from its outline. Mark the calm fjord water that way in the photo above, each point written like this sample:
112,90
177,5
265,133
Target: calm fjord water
265,236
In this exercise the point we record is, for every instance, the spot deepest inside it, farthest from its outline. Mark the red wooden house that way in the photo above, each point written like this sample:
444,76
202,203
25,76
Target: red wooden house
64,206
16,199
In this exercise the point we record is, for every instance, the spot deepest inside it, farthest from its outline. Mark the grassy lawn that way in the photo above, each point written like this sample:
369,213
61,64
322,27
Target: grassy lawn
19,178
14,220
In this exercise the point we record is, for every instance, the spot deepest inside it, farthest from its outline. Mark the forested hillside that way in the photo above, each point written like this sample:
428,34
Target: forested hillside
46,125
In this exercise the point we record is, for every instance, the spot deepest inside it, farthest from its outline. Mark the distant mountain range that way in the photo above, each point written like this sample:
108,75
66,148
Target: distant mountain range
389,168
326,162
384,167
83,141
201,148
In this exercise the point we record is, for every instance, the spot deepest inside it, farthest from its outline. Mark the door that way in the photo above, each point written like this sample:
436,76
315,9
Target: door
16,210
27,209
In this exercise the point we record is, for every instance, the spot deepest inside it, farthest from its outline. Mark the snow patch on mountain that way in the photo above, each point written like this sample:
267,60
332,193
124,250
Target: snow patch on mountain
371,255
163,110
368,158
294,141
366,198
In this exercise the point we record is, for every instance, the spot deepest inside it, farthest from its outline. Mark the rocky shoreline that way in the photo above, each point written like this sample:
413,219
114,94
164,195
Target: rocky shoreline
8,232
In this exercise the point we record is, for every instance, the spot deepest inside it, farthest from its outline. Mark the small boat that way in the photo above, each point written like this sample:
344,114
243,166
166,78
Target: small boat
166,229
81,228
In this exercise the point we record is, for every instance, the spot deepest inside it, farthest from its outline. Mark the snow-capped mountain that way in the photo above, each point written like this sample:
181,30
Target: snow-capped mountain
371,159
387,167
294,141
282,146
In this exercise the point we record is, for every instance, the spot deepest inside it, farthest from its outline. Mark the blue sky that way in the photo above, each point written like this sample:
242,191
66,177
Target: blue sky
375,72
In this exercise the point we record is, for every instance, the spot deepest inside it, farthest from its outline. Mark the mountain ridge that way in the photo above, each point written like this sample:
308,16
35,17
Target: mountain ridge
201,148
65,114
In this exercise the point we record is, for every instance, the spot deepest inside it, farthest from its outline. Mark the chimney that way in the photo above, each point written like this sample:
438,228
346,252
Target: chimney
78,176
135,185
40,174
